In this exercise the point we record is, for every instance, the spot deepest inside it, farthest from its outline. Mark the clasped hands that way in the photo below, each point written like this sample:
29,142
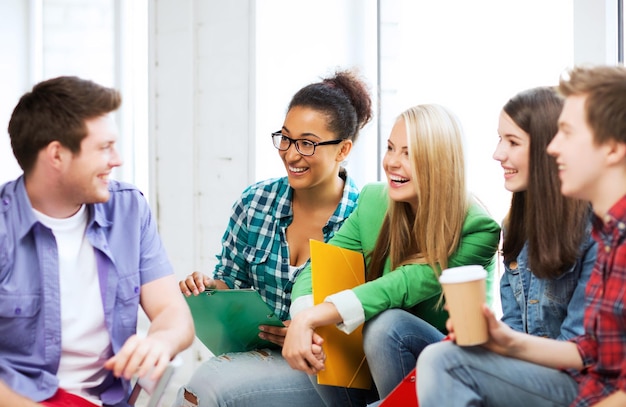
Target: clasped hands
302,347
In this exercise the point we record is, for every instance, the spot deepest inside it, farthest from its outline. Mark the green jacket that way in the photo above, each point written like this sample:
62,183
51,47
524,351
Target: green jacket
413,287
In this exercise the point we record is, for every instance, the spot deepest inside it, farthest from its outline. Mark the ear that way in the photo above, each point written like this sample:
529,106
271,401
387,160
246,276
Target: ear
344,152
54,154
616,152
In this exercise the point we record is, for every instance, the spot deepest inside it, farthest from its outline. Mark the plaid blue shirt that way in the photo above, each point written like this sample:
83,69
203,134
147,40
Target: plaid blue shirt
254,247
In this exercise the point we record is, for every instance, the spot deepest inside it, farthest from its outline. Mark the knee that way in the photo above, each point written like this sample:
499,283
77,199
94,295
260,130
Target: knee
192,395
190,398
380,329
196,392
434,355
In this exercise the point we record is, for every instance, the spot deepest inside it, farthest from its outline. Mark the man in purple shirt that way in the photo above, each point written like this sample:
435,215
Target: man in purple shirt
78,254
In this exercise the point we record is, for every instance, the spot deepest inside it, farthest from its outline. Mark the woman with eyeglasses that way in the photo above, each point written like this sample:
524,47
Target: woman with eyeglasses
266,244
421,221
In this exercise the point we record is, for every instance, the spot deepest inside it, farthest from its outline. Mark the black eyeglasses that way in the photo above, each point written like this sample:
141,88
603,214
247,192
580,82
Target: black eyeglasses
304,147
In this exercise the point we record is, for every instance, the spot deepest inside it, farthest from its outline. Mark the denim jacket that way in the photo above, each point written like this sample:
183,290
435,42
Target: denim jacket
545,307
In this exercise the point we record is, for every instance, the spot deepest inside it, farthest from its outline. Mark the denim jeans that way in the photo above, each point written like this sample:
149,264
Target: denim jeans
260,378
392,341
342,396
450,375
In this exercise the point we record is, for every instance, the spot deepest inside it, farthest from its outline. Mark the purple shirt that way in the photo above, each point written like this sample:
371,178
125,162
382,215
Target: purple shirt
129,253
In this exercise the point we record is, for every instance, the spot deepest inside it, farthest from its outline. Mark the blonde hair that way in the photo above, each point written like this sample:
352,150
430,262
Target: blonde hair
432,233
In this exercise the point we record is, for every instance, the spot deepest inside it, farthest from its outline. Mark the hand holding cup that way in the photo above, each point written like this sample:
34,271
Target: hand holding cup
464,289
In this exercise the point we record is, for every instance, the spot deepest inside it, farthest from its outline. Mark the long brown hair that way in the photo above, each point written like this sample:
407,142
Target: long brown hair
552,224
432,233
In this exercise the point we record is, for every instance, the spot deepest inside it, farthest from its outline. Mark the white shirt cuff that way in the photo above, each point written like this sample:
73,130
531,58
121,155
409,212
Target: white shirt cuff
350,309
300,304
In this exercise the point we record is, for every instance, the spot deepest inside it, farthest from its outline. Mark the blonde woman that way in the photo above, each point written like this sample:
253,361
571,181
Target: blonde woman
419,222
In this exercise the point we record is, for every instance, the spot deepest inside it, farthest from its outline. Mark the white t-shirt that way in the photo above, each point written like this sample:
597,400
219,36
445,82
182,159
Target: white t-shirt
85,341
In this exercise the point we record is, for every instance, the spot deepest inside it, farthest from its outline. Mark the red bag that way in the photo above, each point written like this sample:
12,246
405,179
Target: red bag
404,394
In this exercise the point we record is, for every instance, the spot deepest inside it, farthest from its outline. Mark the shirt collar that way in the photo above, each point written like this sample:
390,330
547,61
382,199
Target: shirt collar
615,218
25,216
27,219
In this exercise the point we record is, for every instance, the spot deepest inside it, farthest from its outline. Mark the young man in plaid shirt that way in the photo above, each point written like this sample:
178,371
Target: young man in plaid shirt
516,369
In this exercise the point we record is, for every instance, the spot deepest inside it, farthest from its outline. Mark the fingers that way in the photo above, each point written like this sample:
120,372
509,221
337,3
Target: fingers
488,313
184,288
195,283
317,340
274,334
492,321
450,329
298,351
305,361
318,351
315,362
139,356
274,330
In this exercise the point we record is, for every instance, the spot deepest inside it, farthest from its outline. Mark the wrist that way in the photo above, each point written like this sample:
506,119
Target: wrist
321,315
307,318
517,344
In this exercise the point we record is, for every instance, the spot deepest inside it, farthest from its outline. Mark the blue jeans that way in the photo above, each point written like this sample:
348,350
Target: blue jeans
342,396
260,378
392,341
450,375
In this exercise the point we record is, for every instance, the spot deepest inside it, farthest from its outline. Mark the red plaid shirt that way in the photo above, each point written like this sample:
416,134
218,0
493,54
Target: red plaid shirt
603,345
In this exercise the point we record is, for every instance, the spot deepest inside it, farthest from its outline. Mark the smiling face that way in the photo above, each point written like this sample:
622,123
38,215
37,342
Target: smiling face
512,152
397,166
304,123
580,161
86,174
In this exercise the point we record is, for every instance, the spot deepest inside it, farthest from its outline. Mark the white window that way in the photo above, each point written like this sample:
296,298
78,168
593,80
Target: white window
101,40
469,56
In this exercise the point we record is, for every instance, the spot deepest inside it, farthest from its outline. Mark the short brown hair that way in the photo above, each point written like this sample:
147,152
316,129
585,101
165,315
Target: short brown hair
56,110
605,107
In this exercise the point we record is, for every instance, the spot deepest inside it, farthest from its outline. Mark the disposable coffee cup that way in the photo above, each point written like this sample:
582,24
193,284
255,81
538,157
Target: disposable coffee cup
464,290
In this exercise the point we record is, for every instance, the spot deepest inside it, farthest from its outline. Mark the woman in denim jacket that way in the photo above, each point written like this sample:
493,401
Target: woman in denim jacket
547,247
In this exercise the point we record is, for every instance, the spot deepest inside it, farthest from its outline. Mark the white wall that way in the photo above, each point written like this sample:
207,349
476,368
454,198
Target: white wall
595,31
14,74
457,54
41,40
299,42
201,124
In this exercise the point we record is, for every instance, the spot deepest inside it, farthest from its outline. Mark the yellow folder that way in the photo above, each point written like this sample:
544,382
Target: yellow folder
335,269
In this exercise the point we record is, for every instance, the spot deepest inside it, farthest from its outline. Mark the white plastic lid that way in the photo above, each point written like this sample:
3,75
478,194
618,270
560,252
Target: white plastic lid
462,274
